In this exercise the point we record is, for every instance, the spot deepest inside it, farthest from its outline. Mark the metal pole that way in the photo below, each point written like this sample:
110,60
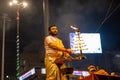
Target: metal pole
46,16
3,47
17,18
18,41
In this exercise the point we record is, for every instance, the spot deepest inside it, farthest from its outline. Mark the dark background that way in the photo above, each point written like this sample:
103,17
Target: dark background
91,16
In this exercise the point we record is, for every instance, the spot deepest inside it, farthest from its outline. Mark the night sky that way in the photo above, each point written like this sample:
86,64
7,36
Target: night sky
90,16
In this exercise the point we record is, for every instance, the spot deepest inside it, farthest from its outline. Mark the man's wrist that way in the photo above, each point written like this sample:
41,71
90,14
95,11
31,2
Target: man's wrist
65,50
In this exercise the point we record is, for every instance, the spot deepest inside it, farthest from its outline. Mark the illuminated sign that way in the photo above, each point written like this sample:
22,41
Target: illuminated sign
88,42
80,73
26,75
43,71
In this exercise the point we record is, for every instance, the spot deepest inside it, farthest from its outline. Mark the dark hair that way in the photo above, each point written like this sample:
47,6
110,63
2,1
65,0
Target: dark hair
50,27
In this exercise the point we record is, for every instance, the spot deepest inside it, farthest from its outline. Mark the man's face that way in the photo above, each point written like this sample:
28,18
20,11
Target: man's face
53,30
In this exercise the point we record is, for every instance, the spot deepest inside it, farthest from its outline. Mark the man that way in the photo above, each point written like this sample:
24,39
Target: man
55,55
96,70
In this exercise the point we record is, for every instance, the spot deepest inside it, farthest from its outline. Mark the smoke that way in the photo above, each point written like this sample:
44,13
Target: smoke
85,14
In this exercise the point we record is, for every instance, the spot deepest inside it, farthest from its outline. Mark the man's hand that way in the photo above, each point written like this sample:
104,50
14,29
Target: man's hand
67,55
68,50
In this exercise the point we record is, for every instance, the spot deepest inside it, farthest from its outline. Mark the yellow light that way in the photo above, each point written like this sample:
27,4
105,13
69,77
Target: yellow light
15,1
25,4
10,3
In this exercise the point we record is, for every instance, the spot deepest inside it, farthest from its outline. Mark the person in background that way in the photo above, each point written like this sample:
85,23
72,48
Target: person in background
96,70
91,69
55,55
113,74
